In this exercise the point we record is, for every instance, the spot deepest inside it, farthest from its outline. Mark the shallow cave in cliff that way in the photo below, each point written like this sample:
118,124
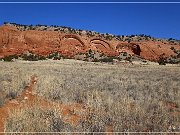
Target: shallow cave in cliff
136,49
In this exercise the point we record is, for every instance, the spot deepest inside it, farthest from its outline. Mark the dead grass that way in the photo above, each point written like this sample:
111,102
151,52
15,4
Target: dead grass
128,98
36,119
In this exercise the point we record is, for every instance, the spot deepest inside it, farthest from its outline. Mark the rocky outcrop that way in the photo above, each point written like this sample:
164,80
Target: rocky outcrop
44,42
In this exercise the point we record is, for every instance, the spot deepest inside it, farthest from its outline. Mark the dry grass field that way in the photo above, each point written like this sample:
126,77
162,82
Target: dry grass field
116,98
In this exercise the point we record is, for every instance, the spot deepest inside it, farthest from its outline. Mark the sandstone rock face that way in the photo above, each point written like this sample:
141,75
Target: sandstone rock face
14,41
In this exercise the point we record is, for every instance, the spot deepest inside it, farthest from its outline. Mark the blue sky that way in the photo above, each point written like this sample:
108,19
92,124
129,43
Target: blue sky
158,20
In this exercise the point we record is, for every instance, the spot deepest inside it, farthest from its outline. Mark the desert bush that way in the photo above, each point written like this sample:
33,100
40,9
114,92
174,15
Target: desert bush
32,57
162,61
54,56
128,59
107,59
96,60
10,58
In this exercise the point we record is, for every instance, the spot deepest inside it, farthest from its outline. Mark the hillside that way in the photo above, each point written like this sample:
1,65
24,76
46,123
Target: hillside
45,40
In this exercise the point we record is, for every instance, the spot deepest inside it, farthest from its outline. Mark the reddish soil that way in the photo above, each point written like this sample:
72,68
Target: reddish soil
14,41
72,113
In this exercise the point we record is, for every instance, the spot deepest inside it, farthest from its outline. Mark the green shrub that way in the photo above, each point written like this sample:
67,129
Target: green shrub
162,62
28,57
125,54
107,59
55,56
42,57
10,58
128,59
96,60
33,57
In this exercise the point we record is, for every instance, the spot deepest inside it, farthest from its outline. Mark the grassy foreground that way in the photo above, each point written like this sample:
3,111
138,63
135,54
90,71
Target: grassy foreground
132,98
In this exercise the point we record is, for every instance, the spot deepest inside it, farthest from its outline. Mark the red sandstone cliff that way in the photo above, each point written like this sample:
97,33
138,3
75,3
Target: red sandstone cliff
14,41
